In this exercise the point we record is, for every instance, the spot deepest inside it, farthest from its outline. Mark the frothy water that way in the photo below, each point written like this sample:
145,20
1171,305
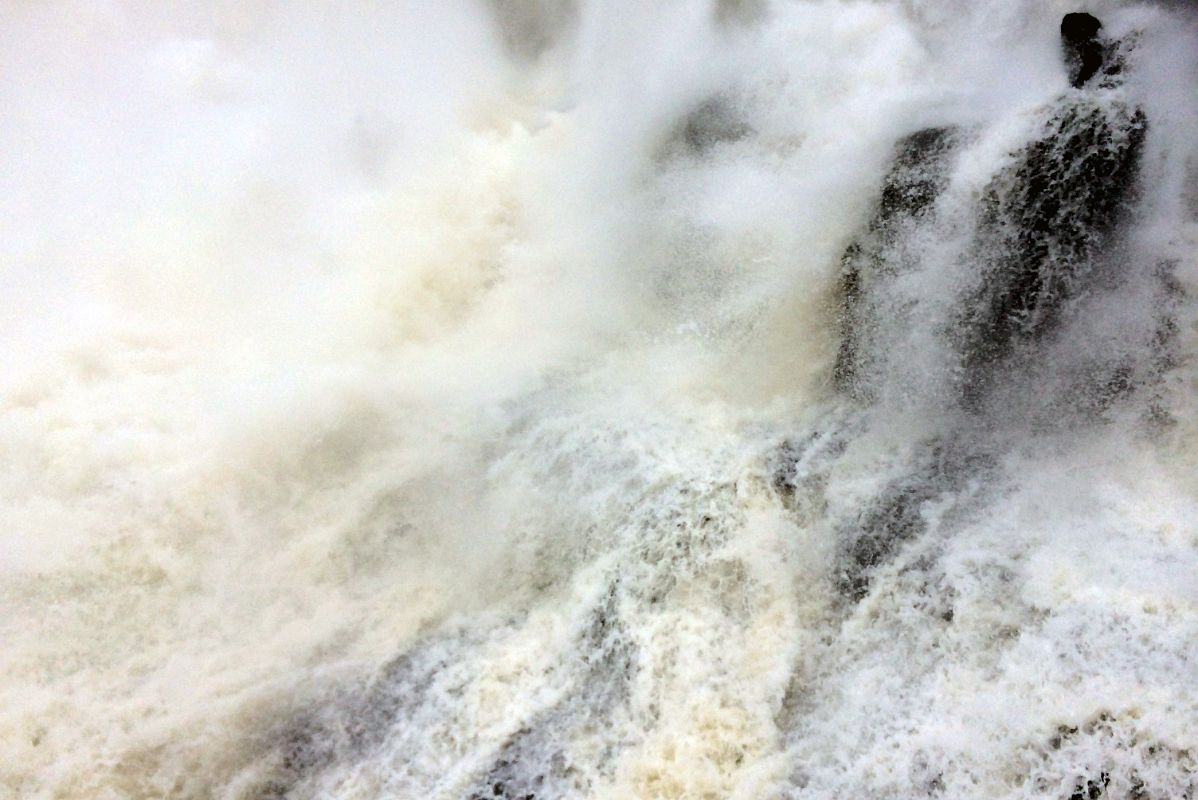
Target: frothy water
528,399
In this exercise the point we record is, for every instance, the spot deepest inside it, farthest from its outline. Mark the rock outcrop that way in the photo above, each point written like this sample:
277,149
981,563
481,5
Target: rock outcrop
1041,224
919,174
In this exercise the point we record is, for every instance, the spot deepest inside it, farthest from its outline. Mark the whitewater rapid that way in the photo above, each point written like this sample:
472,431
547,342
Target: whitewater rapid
533,399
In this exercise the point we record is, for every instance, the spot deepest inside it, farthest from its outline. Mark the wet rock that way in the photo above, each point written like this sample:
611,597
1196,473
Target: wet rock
919,174
1109,756
308,747
1091,789
506,781
1044,226
713,122
1084,52
529,29
893,519
535,762
1042,223
896,515
799,469
1092,60
917,177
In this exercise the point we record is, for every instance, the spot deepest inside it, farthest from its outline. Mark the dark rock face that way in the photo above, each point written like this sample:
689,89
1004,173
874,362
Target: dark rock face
1042,223
897,514
712,123
944,472
1028,259
705,127
1083,51
918,176
894,518
1079,27
1091,59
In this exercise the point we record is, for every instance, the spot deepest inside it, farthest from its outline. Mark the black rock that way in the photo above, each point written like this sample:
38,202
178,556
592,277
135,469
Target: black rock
1080,27
1042,225
894,518
714,122
1084,52
1043,220
917,177
896,515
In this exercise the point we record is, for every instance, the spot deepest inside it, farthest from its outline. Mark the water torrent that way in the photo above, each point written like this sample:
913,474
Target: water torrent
535,399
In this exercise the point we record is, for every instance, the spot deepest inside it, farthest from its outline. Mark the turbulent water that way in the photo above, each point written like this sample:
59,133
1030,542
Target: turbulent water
539,399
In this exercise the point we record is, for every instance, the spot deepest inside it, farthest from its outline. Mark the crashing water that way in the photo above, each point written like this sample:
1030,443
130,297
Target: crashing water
532,399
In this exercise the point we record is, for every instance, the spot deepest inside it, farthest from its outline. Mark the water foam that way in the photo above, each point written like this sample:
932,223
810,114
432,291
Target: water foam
414,402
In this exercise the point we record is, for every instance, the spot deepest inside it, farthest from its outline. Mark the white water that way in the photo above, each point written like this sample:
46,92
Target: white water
340,334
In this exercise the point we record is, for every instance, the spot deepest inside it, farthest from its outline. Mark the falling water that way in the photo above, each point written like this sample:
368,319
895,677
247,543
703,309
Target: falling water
530,399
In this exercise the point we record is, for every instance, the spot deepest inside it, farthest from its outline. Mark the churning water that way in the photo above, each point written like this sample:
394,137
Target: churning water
562,398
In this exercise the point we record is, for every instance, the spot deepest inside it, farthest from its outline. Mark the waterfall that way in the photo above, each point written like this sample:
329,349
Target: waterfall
521,400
